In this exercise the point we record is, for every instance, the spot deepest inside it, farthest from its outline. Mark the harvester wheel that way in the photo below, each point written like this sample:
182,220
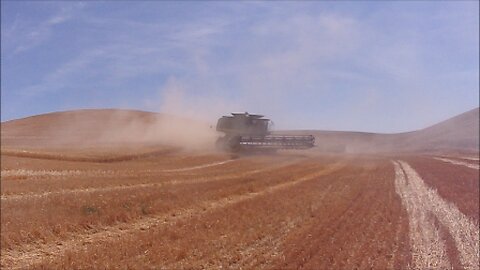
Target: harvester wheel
234,144
221,143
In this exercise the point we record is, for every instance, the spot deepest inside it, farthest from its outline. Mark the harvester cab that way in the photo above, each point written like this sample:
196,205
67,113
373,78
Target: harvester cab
252,131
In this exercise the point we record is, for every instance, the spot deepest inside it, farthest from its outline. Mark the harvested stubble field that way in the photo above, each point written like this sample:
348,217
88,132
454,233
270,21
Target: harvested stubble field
168,209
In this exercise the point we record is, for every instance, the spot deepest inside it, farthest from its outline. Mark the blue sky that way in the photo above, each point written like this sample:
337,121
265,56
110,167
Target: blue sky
366,66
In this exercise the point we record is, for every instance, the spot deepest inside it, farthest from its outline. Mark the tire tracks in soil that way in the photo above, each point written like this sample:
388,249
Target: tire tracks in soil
144,185
101,173
458,162
32,254
62,157
200,166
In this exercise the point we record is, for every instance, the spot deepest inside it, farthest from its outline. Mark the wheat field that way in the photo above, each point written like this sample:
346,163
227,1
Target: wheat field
170,209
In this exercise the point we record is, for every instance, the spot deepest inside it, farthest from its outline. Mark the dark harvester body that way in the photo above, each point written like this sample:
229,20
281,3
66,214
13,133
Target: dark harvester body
252,131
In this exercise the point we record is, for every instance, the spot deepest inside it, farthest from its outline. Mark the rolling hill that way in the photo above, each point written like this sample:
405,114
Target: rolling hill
87,127
459,133
93,127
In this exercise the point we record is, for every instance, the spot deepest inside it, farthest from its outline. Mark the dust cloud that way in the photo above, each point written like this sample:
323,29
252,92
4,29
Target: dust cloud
188,121
179,120
165,129
108,127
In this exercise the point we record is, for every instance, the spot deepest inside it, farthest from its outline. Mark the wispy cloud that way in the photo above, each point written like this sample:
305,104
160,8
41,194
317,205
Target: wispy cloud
25,34
335,68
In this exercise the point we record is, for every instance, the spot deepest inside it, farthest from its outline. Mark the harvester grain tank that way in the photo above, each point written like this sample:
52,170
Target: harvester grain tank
252,131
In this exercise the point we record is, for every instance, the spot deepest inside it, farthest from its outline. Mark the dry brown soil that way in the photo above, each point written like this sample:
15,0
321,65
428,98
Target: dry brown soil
164,208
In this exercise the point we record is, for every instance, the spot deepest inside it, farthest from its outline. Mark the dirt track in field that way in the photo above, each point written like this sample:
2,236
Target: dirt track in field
424,207
468,163
171,209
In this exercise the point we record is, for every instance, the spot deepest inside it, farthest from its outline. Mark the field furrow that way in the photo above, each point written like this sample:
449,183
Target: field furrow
85,158
215,211
25,174
250,235
83,211
177,180
199,166
343,233
125,177
30,255
459,162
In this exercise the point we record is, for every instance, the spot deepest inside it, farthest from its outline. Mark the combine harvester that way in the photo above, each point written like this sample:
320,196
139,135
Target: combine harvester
244,131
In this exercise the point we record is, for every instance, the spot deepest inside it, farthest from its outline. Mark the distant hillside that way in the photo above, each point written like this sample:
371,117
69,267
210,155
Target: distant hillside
460,133
93,127
82,127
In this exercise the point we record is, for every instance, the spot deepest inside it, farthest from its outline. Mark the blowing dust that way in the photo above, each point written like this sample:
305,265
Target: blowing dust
185,121
161,129
109,128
